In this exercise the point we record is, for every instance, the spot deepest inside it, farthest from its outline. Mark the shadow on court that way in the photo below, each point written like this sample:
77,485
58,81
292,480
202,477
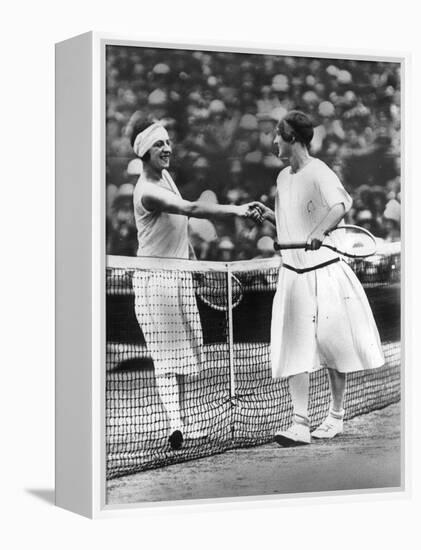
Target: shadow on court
366,456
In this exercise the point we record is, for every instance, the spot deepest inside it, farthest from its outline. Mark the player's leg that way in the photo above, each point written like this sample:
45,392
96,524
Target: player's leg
299,390
165,319
333,423
169,393
299,432
190,336
337,387
293,347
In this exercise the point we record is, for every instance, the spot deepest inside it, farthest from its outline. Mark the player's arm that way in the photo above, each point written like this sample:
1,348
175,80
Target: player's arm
267,213
158,199
339,201
331,220
192,253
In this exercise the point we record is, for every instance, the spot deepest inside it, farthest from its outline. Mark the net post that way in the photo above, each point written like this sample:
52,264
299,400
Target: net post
230,332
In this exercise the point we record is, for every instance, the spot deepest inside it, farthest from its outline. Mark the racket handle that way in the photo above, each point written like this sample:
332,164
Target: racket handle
288,246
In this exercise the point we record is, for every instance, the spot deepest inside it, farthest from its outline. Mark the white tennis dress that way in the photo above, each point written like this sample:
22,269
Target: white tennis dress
320,317
165,303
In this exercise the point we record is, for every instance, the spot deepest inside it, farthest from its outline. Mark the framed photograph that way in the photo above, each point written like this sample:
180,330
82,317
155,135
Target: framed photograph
229,229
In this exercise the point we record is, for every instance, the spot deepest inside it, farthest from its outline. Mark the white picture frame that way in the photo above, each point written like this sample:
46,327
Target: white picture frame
81,264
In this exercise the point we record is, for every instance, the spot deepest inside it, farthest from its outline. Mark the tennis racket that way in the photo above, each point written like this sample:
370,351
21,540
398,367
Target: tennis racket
348,240
212,289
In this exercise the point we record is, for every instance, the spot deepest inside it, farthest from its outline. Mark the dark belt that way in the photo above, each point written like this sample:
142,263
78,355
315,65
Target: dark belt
307,269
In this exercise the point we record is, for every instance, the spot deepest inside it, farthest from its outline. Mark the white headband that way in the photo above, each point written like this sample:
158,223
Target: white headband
145,140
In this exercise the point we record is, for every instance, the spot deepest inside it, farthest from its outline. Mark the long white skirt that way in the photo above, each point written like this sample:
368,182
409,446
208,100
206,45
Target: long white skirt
167,313
322,318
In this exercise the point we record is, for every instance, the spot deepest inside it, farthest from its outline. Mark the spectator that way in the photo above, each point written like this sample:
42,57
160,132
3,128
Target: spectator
122,237
392,217
265,248
225,250
220,108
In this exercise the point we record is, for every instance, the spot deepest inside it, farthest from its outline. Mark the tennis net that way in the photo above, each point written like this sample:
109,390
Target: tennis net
192,315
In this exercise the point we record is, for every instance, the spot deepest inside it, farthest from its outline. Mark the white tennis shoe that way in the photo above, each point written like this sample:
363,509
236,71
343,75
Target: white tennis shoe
329,428
297,434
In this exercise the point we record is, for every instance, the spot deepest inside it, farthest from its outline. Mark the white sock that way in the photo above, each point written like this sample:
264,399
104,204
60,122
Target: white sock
170,396
300,419
337,415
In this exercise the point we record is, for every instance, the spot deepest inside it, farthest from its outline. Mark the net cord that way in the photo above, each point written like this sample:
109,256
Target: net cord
175,264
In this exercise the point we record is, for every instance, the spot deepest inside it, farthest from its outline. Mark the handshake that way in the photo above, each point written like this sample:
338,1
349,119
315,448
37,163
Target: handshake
255,210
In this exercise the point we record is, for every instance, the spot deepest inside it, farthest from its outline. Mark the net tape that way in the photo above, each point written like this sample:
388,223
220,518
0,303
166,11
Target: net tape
232,396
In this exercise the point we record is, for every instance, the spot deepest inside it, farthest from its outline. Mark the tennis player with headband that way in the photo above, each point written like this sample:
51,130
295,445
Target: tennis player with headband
321,316
166,310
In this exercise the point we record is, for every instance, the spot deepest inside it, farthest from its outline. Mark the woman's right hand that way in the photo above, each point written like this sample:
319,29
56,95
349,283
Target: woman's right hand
254,211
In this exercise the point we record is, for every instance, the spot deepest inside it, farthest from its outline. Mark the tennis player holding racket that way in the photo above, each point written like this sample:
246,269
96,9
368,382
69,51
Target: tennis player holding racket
166,309
321,315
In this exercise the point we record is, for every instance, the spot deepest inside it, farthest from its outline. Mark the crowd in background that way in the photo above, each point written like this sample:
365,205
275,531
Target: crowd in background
221,110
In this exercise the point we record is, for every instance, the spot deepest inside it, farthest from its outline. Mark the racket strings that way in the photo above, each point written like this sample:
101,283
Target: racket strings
212,289
352,241
347,240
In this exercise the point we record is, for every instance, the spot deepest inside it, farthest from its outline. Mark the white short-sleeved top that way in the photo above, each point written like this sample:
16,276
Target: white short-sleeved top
303,199
160,234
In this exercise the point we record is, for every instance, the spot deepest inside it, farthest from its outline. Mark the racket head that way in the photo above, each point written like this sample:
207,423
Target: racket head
351,241
212,289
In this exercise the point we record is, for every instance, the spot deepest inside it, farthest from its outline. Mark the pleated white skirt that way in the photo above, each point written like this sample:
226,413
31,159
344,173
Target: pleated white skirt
167,313
322,318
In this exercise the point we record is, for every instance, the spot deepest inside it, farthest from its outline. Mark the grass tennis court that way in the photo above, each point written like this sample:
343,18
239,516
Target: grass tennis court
366,456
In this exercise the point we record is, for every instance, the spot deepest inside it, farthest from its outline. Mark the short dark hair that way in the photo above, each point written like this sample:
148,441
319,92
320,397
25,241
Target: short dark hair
300,127
138,127
146,157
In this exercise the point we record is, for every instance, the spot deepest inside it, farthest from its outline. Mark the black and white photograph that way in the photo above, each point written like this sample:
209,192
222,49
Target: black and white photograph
253,274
